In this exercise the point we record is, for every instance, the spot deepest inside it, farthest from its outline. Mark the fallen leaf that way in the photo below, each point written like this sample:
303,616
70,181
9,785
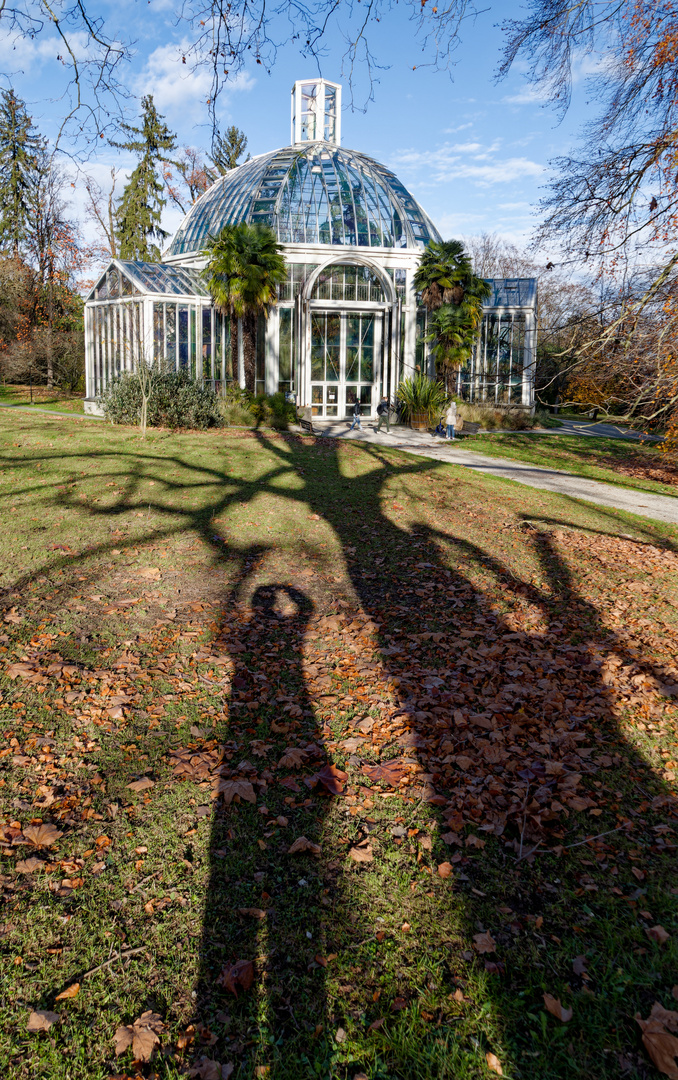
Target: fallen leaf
579,965
361,853
42,1020
141,785
484,943
340,1035
206,1069
494,1064
301,845
658,934
72,991
240,974
331,778
660,1045
292,758
376,1024
458,995
28,866
255,912
556,1009
445,870
232,788
668,1017
41,836
142,1036
390,774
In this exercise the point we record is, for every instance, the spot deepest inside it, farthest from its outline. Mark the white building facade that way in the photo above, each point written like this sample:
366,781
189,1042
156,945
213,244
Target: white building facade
347,324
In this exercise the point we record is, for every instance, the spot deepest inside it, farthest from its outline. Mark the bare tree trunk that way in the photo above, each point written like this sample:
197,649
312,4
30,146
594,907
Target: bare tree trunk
233,351
50,325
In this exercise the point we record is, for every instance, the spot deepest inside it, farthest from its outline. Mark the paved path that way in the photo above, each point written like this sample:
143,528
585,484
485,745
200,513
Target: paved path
644,503
50,412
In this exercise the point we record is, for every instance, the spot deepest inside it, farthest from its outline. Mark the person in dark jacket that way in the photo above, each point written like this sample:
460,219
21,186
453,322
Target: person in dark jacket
383,412
356,417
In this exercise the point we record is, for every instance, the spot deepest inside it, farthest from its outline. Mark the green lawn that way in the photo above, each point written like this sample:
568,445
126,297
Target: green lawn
615,461
461,694
42,398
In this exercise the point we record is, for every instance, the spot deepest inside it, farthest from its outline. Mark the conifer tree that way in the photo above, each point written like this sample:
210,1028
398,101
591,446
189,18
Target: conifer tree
20,149
139,211
227,150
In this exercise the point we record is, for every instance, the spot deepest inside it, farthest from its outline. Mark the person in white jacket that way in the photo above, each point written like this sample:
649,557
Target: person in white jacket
451,419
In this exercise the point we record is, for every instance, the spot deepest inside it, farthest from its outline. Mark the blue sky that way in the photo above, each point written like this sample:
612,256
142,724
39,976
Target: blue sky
475,153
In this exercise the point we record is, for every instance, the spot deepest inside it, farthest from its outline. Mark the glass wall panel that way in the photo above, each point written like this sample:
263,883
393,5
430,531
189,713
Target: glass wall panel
182,342
159,334
171,336
193,344
285,349
330,113
420,334
113,282
260,367
208,368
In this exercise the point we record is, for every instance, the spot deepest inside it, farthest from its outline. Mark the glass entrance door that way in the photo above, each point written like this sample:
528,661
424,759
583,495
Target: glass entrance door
344,367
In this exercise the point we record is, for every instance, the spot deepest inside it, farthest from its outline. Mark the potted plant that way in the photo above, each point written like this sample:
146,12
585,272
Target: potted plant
423,400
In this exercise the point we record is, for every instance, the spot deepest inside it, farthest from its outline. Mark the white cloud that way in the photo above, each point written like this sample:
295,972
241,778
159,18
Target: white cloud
176,85
465,161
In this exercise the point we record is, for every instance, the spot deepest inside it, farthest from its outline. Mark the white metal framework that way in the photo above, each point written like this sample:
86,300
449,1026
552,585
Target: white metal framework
347,323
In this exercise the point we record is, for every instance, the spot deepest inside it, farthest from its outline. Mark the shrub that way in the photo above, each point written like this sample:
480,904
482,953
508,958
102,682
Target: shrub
419,394
176,401
234,407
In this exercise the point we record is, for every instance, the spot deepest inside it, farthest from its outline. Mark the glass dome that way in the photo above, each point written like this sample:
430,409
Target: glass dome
318,193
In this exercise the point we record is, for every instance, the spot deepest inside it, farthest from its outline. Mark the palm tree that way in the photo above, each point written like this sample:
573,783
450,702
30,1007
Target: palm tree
245,267
453,295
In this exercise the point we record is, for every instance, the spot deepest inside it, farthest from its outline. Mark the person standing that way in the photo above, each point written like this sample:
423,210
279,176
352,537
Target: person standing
356,417
451,419
383,412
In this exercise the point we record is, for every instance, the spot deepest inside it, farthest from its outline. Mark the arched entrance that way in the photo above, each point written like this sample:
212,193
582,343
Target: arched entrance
346,311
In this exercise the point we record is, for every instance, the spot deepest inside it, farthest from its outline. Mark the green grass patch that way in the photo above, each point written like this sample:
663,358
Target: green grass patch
615,461
489,669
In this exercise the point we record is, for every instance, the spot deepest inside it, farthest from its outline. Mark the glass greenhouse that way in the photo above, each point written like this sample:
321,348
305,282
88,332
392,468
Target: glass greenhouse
347,323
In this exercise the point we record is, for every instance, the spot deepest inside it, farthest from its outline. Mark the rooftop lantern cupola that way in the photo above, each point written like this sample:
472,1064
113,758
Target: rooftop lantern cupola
316,111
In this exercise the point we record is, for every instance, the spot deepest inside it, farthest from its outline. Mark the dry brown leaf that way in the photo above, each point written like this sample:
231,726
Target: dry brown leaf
391,773
293,758
331,778
41,836
72,991
42,1020
28,866
579,965
361,853
458,995
206,1069
301,845
556,1009
494,1064
255,912
141,785
668,1017
232,788
142,1036
660,1045
240,974
484,943
445,870
658,934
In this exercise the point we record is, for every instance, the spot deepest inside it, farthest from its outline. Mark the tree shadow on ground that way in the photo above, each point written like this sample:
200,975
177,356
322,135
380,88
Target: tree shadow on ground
486,702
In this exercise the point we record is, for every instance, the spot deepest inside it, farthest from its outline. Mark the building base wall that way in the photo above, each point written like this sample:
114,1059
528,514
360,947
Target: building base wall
93,407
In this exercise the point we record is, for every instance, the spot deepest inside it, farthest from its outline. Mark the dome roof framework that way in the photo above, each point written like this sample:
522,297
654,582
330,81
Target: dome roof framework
313,193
